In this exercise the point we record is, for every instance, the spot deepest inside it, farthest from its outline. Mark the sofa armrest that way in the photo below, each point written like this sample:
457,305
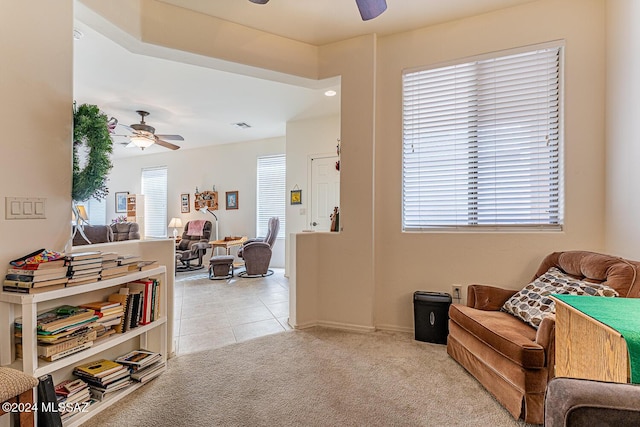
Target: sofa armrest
202,245
546,338
488,298
575,402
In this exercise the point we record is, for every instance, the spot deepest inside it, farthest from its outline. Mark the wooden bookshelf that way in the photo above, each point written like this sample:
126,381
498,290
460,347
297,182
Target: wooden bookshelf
152,336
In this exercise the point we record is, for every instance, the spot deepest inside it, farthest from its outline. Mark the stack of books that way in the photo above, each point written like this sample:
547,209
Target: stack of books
109,314
61,332
143,265
104,376
110,266
36,278
84,267
42,270
72,394
128,259
145,365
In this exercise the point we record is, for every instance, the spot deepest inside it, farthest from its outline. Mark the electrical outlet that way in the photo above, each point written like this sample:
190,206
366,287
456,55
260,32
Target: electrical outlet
456,292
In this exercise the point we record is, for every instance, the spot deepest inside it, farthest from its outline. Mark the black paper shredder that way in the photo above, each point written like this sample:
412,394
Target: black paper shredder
431,316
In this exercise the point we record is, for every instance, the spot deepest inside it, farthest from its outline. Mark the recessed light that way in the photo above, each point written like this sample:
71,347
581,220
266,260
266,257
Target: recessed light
330,93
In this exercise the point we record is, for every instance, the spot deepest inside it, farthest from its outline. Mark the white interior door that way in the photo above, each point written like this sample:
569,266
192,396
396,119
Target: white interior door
325,191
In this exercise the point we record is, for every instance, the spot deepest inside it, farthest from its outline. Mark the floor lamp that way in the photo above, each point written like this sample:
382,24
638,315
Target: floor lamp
205,209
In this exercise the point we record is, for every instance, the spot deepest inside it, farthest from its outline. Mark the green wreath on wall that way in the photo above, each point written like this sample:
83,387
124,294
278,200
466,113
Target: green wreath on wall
90,127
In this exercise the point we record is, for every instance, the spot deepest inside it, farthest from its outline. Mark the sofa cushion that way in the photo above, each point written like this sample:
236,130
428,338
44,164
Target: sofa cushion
532,303
503,332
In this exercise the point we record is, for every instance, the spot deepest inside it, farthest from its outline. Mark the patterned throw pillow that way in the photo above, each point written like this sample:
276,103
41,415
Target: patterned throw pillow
532,305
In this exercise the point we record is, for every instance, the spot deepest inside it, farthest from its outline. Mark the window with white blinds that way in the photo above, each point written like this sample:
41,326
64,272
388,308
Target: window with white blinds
271,193
97,211
482,143
154,189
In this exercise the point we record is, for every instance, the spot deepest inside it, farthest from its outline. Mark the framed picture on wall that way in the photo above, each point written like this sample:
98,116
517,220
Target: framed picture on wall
232,200
184,203
296,197
121,201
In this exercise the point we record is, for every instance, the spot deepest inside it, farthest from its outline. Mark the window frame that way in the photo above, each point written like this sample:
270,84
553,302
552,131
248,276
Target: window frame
557,44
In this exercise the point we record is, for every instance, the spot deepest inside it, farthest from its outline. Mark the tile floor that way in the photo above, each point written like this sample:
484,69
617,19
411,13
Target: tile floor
214,313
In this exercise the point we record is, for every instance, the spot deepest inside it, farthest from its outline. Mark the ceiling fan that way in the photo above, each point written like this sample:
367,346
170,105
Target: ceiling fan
144,135
369,9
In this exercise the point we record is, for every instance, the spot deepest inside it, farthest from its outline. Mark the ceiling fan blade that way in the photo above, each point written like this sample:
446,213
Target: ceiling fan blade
166,144
370,9
171,137
128,144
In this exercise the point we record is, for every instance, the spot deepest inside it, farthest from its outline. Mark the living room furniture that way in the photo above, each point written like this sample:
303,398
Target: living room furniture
151,336
193,245
16,389
221,267
510,358
587,348
95,234
135,210
256,253
125,231
108,233
571,402
228,244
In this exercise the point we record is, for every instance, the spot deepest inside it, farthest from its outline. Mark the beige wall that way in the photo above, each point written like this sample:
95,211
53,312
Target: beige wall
364,276
623,145
406,262
305,138
36,103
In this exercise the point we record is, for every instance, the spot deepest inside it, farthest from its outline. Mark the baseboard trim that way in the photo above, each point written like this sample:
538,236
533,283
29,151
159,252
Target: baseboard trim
393,328
346,326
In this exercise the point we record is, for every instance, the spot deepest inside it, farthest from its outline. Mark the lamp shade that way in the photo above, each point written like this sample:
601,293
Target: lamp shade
82,213
175,223
141,141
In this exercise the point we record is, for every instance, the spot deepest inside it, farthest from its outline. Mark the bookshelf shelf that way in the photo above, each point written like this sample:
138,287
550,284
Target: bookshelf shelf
152,336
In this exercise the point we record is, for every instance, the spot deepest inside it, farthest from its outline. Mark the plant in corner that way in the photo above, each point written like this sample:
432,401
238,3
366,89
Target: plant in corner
90,129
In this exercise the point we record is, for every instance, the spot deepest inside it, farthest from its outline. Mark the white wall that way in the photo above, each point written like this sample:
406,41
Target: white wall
230,167
623,144
305,138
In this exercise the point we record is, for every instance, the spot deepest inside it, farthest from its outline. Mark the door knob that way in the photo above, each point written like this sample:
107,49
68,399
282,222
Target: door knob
314,223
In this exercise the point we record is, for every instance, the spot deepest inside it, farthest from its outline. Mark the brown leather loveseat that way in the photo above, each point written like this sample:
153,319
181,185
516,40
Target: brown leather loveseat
511,359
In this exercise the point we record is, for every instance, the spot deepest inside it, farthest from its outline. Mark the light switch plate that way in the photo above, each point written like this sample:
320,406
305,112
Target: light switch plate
25,207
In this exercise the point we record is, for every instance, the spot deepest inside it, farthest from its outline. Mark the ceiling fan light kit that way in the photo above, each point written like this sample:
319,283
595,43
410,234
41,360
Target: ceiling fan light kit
144,135
259,1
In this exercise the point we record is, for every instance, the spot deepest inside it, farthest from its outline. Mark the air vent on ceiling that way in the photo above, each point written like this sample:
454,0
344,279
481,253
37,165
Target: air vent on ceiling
242,125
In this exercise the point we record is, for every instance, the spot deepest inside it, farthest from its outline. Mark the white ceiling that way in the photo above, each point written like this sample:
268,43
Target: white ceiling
201,103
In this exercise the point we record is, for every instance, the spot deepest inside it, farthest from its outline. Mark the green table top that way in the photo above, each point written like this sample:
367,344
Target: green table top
621,314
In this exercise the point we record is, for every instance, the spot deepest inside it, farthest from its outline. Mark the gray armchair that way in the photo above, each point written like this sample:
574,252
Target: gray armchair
257,252
573,402
193,245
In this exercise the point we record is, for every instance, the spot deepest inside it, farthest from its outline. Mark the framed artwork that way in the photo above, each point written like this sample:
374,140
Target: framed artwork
185,203
121,202
296,197
232,200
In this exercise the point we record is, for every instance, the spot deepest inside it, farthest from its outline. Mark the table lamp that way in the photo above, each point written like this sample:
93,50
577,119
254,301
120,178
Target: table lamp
175,223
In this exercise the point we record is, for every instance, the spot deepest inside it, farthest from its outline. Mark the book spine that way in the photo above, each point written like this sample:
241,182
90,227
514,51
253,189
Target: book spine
68,352
50,350
18,284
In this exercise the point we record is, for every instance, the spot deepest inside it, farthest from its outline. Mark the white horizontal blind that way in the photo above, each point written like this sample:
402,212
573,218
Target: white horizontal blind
154,188
271,193
97,211
481,143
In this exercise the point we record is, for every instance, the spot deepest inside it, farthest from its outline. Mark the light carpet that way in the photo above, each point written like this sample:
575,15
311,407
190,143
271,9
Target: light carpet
315,377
